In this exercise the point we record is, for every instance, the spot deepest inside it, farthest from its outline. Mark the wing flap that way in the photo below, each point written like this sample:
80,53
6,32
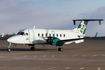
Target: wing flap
68,40
79,41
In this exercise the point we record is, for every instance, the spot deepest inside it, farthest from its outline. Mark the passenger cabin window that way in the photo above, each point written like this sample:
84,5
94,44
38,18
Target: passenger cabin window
38,34
64,35
42,35
57,35
49,34
60,35
53,34
46,34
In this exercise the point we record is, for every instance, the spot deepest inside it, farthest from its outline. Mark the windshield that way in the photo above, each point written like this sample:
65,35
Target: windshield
20,33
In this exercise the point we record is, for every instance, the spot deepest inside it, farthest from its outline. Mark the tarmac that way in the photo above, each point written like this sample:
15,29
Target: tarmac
89,55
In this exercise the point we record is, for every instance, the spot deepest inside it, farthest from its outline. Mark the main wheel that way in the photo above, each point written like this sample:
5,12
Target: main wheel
8,49
60,49
33,48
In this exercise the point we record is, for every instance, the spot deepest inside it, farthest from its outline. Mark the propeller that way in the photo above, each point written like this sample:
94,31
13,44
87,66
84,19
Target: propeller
46,35
46,32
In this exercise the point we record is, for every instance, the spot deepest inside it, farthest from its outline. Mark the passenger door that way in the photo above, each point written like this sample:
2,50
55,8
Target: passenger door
31,35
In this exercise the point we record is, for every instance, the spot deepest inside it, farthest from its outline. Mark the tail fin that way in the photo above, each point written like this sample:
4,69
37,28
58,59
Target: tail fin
82,26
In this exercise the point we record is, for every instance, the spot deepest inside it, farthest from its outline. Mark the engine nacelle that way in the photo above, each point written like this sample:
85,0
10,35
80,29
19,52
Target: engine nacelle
52,40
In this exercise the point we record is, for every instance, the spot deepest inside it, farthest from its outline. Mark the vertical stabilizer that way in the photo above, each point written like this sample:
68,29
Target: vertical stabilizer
82,27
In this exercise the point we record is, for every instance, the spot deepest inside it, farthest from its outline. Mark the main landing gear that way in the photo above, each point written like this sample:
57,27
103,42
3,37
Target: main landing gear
32,48
60,49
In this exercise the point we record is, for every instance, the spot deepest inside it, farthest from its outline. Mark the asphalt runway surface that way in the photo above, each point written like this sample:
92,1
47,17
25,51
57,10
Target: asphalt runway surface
89,55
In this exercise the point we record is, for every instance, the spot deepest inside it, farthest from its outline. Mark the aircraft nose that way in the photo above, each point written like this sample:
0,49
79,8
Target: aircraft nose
10,40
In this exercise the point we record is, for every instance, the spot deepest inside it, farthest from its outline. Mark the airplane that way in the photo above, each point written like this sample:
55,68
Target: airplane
32,36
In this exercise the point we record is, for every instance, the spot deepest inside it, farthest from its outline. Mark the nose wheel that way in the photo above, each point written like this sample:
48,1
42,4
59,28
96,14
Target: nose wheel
8,49
9,44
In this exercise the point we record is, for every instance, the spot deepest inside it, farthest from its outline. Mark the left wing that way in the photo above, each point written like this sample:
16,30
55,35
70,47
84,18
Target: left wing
68,40
56,41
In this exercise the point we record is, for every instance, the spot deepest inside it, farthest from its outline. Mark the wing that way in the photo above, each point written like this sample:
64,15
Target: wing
56,41
68,40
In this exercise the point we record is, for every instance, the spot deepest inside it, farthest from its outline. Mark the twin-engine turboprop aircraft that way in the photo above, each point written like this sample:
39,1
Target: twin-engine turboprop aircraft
33,36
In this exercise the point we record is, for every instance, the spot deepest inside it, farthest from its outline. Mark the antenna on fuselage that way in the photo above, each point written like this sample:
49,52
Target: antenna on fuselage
34,27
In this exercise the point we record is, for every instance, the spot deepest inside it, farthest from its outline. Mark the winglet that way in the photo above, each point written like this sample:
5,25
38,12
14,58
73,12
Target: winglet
74,22
99,22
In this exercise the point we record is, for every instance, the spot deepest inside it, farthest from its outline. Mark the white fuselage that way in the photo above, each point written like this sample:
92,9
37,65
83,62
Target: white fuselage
37,36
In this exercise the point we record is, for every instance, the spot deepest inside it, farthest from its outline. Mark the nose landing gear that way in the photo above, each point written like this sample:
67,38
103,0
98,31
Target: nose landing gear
9,44
8,49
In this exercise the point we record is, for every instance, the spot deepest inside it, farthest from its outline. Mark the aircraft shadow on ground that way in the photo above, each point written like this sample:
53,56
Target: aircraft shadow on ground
23,49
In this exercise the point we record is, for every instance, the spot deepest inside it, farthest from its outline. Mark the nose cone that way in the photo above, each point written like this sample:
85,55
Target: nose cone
10,40
18,39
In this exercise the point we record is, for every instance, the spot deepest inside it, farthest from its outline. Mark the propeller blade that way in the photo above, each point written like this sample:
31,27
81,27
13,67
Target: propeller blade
46,32
45,36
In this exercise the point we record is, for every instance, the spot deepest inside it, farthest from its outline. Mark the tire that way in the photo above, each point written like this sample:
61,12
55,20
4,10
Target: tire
32,48
60,49
9,50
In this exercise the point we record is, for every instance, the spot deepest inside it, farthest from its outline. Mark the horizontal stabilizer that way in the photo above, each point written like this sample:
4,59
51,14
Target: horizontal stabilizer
74,21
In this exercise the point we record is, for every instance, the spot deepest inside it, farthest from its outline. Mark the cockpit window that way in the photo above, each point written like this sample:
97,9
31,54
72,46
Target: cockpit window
20,33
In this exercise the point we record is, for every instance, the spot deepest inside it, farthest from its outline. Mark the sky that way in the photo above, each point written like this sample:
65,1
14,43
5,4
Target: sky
16,15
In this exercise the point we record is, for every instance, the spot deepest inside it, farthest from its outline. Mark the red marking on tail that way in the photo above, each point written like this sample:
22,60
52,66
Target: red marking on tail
87,23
